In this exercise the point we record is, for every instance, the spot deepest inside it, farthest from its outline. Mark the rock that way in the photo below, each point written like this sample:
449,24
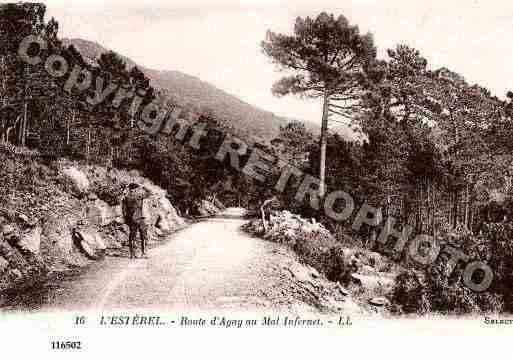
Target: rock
100,213
379,301
365,269
79,180
342,290
163,215
90,242
286,214
17,274
314,273
209,207
26,220
58,232
3,264
302,274
204,210
30,241
285,227
8,230
23,218
373,283
163,225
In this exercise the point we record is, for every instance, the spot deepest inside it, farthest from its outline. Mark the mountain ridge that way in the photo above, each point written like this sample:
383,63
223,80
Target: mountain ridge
191,91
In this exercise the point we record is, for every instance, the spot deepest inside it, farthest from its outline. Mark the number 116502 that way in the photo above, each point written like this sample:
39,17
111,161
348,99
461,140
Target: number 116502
67,345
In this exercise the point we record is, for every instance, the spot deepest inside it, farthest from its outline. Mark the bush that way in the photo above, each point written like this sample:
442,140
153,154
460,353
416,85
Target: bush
418,292
450,296
110,192
498,251
317,251
410,293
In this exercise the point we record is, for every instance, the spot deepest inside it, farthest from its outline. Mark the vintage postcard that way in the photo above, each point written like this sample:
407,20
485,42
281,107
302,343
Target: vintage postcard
256,178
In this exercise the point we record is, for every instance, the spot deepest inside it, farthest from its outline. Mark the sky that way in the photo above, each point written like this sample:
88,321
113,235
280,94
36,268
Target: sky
219,40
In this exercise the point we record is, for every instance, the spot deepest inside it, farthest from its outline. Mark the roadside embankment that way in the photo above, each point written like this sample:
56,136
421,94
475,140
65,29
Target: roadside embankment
62,215
366,276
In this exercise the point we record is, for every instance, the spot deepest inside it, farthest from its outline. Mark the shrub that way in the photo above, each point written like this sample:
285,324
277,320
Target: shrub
431,290
410,293
317,251
498,251
449,296
110,192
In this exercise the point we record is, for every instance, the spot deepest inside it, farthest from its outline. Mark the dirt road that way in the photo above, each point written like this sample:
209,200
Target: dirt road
209,265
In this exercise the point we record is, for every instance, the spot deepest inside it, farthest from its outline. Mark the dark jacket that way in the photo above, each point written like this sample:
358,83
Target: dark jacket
133,205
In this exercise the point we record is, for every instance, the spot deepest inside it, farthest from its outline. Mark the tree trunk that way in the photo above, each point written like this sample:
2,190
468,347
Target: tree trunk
418,224
388,205
68,127
433,211
24,125
429,209
471,218
324,140
467,203
88,146
455,210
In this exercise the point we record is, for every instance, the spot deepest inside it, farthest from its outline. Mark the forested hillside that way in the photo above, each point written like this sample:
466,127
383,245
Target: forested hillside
194,94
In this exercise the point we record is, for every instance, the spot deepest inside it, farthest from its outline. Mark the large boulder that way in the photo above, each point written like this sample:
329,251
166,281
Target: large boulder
285,227
7,230
373,283
205,208
81,185
57,231
209,207
100,213
30,240
379,301
4,264
90,242
162,215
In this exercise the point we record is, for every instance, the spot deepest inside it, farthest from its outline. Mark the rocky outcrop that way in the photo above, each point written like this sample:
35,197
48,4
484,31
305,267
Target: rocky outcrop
78,179
205,208
373,283
22,233
285,227
78,220
358,271
90,241
312,287
163,217
30,240
57,231
100,213
3,264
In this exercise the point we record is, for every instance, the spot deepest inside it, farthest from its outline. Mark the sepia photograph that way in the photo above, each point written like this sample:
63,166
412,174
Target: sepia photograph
298,176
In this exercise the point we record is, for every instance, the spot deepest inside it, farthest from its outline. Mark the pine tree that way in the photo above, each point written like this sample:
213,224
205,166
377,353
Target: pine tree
327,57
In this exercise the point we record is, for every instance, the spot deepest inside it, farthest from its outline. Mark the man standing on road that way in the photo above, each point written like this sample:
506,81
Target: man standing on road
134,213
